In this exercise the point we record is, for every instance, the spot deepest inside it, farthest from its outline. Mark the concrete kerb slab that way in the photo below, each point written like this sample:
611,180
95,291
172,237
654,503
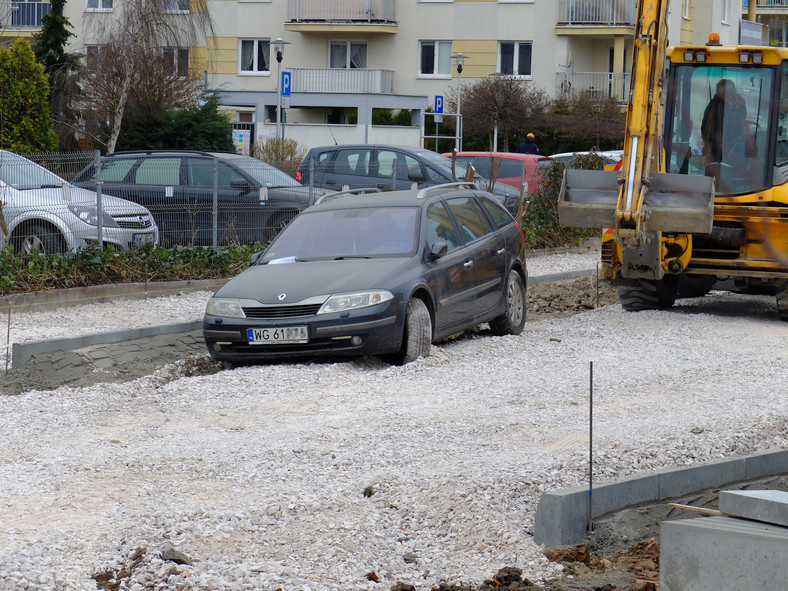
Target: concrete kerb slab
562,516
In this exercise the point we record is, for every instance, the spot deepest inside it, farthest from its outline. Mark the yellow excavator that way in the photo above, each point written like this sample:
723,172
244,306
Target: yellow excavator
701,200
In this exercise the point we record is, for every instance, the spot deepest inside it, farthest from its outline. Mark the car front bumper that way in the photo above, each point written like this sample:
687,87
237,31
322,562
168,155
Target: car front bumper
369,331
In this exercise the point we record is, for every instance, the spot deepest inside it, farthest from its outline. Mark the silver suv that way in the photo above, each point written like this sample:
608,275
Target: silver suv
44,213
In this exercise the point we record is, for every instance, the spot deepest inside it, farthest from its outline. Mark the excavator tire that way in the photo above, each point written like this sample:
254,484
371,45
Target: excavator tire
782,299
648,294
695,286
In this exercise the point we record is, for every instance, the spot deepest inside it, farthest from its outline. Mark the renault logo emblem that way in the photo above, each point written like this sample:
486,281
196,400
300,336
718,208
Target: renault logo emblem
282,296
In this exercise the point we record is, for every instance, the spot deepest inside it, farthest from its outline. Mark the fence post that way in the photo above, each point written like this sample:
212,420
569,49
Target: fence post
99,210
215,209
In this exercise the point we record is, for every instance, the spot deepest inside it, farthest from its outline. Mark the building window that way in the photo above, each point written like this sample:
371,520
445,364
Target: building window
725,7
177,61
92,57
99,5
176,6
435,59
686,9
348,54
514,58
255,56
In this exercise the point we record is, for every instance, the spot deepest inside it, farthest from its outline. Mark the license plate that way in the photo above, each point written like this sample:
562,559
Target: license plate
283,334
142,239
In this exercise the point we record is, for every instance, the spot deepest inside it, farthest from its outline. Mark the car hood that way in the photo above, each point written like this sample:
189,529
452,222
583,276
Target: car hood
302,280
72,195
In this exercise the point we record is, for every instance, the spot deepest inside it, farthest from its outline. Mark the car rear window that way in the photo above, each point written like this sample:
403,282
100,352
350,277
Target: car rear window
499,215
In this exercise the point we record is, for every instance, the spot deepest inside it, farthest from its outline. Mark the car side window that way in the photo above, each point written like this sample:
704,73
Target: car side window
114,171
440,227
473,223
324,161
159,171
499,217
355,162
200,172
435,176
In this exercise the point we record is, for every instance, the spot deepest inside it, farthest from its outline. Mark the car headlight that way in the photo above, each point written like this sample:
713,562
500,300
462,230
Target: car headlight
352,301
89,215
225,307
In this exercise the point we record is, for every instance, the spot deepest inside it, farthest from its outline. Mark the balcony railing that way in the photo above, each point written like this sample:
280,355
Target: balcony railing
597,84
766,4
341,11
342,80
23,14
597,12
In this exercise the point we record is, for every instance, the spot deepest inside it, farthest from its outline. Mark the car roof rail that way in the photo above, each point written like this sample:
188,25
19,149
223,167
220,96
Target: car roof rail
425,192
356,191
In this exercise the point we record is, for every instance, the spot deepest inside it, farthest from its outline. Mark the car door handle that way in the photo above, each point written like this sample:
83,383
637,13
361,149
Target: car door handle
329,182
501,250
468,264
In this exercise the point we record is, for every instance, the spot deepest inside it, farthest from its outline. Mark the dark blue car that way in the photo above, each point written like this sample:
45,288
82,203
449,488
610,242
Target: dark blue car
381,274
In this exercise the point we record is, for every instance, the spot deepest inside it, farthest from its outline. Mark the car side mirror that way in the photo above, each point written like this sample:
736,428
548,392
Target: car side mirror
255,257
439,249
416,176
241,185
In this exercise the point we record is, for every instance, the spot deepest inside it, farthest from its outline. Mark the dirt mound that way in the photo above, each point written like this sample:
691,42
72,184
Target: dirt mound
557,299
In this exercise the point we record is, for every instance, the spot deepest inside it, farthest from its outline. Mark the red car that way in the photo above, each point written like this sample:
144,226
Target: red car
508,166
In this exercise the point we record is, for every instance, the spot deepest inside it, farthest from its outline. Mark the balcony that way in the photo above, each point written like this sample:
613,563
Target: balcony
597,84
765,7
354,81
342,16
23,15
597,13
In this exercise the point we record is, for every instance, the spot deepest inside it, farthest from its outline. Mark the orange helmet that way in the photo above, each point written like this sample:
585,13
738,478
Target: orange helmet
530,135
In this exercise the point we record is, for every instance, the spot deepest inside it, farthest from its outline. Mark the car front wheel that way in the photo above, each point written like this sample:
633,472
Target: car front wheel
512,321
417,339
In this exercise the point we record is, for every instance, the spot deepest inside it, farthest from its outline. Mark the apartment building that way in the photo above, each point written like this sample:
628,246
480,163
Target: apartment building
345,58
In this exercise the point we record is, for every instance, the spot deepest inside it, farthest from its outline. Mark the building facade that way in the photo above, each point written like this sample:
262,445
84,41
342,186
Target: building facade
345,58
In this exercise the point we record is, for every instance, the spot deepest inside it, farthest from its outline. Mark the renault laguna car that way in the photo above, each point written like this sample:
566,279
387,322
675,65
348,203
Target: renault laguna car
375,274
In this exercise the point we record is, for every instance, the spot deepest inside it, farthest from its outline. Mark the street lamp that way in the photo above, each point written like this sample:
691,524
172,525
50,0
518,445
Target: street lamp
460,61
279,48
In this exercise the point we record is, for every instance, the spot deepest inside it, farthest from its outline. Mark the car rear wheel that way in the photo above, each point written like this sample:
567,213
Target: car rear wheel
38,238
512,321
782,299
417,339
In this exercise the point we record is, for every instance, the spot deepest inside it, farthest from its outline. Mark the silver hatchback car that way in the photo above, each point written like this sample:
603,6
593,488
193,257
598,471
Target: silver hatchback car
45,213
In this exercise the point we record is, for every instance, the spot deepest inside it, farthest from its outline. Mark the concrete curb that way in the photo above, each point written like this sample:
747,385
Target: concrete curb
562,516
21,353
77,296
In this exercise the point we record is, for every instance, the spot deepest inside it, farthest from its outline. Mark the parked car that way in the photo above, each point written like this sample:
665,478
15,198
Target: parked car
46,214
510,168
254,200
375,274
611,158
387,168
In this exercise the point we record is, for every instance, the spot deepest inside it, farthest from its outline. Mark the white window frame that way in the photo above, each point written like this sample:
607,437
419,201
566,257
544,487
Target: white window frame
725,11
348,53
100,6
437,74
255,71
686,13
515,1
176,59
516,60
173,7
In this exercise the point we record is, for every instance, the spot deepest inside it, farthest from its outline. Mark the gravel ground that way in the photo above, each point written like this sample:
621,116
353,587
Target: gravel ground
355,475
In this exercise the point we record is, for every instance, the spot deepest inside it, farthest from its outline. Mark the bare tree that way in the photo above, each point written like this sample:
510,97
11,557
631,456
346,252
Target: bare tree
139,52
512,103
589,120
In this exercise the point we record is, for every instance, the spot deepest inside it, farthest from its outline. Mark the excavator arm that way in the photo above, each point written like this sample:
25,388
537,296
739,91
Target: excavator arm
641,202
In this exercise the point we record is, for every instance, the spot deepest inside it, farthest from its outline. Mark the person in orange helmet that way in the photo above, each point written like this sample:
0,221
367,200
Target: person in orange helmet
528,145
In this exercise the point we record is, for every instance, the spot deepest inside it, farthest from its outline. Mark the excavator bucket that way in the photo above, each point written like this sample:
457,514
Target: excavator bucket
673,203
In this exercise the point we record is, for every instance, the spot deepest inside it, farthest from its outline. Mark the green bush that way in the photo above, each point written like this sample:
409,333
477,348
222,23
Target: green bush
93,266
540,224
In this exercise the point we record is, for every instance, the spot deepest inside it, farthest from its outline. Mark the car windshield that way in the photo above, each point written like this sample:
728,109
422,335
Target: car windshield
264,173
346,233
21,173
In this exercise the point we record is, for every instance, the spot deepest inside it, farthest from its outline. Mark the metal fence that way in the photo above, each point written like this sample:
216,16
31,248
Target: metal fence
61,202
597,12
340,10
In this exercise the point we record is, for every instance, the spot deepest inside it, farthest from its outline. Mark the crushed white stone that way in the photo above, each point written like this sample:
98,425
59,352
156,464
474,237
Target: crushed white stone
312,476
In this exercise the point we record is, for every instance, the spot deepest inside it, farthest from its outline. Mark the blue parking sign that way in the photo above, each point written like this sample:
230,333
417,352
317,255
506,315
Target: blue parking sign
438,103
286,78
